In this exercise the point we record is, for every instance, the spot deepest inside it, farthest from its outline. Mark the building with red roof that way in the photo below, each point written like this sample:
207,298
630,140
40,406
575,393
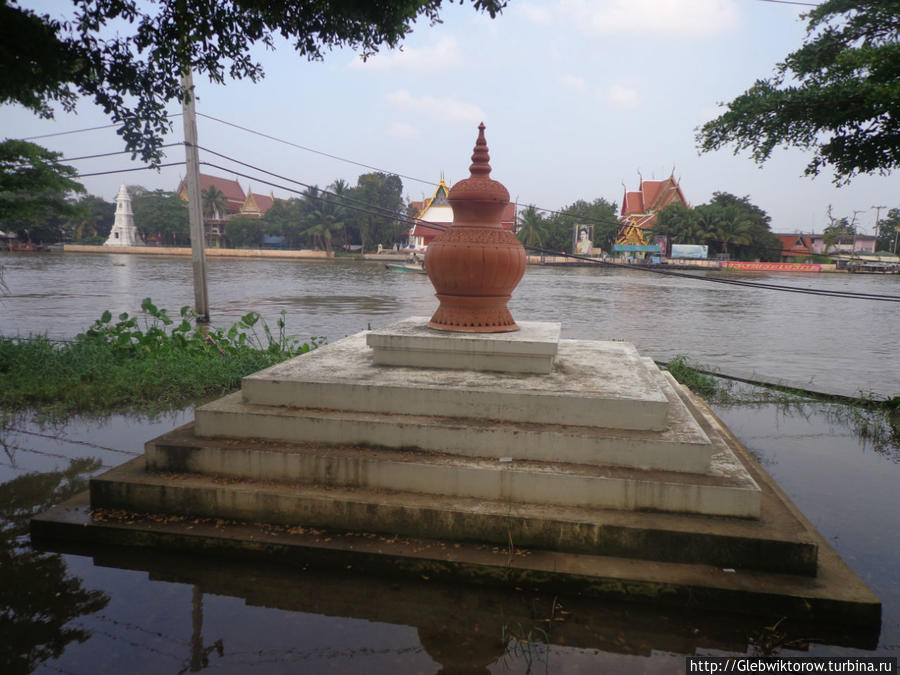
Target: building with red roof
641,206
795,245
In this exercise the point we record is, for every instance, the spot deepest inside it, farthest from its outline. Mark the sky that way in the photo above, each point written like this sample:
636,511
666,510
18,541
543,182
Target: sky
581,98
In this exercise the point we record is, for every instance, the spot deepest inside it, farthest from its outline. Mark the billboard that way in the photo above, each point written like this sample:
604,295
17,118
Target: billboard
690,251
583,239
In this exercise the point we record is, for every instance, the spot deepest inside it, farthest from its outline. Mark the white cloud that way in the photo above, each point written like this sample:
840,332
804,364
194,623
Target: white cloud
623,97
573,82
445,53
536,14
642,17
443,109
402,130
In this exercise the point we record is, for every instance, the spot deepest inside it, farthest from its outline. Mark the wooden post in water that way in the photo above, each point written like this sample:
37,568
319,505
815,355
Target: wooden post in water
195,207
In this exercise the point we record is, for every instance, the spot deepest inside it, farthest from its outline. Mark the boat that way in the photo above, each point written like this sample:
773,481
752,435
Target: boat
405,267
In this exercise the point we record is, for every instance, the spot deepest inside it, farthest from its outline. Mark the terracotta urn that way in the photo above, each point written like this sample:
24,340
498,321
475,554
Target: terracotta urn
475,264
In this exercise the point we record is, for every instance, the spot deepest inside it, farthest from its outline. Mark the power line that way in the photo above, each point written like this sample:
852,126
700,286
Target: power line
307,149
109,154
78,131
792,2
734,282
371,209
138,168
722,280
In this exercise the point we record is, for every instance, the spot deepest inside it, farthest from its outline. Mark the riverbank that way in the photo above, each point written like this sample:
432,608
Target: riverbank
182,252
390,256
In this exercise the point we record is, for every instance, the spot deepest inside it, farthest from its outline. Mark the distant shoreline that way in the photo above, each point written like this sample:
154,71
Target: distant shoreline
307,254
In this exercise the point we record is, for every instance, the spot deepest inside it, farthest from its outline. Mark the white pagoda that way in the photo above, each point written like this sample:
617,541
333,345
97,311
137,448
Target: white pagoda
124,232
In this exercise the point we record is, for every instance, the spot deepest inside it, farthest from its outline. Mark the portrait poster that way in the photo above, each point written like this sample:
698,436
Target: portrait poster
583,239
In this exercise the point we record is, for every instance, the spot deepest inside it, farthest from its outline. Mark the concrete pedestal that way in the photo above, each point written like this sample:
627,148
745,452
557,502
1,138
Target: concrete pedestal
402,431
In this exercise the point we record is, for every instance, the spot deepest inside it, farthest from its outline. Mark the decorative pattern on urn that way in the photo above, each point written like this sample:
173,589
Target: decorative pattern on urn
475,264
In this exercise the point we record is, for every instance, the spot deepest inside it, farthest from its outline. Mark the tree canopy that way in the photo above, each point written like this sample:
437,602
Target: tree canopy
33,186
729,225
838,95
128,55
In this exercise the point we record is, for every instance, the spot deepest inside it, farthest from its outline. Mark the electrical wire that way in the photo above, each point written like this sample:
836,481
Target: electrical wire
109,154
381,212
138,168
79,131
317,152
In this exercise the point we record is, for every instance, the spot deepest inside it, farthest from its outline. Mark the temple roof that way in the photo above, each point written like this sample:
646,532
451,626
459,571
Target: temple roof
231,189
653,196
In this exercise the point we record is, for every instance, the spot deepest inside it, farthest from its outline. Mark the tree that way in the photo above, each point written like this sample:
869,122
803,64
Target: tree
286,218
727,224
245,231
838,95
599,213
531,227
33,190
214,205
93,221
888,231
134,72
377,210
161,214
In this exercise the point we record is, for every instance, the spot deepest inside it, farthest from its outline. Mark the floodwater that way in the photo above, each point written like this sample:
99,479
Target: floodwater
822,343
112,611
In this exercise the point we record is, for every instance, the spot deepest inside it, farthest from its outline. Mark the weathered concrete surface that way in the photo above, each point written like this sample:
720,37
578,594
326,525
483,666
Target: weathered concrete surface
531,349
769,543
724,489
683,446
835,594
597,384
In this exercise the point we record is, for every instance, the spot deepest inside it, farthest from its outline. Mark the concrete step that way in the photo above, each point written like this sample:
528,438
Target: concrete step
776,542
597,384
683,446
722,492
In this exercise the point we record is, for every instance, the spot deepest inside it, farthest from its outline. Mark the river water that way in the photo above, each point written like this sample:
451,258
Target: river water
110,611
828,344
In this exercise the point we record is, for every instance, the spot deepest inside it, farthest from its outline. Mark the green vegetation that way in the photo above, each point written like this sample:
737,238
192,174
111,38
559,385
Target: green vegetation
837,95
127,56
728,224
147,363
33,191
554,230
693,378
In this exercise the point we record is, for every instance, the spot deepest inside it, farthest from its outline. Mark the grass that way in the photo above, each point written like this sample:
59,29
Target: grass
707,386
146,364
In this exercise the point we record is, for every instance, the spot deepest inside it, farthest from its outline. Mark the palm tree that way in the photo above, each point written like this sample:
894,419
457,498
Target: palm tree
214,206
532,228
728,227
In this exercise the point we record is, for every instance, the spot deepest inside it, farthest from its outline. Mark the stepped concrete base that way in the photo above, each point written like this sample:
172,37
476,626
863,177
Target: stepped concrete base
614,476
411,343
724,489
597,384
773,543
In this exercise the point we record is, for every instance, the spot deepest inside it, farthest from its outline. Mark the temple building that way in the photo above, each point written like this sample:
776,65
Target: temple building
123,232
236,203
640,208
434,215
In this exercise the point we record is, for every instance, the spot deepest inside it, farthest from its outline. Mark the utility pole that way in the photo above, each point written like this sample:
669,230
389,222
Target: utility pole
877,217
195,207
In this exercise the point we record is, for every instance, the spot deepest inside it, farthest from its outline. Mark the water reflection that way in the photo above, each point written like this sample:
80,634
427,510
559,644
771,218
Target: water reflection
38,597
462,629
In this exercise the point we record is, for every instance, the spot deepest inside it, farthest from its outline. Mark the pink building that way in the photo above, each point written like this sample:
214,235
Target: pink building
860,243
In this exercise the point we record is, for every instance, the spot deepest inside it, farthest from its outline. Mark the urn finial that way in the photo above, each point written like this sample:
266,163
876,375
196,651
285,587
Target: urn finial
475,264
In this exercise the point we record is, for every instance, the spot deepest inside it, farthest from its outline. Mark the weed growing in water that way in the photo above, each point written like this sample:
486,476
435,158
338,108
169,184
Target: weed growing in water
146,363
